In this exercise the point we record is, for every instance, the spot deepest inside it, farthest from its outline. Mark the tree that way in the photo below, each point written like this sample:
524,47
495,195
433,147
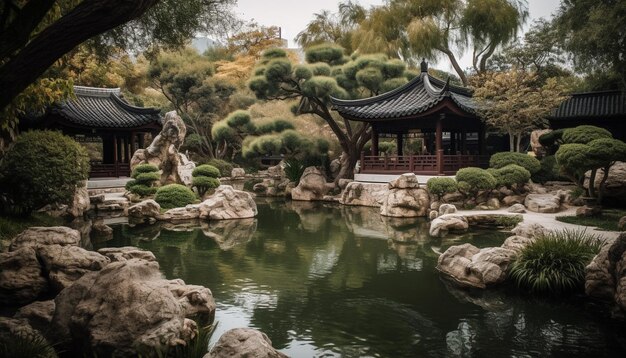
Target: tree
433,28
593,31
35,34
186,79
328,27
510,101
328,73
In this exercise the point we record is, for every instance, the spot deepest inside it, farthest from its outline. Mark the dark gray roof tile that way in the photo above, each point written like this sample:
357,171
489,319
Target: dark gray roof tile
592,105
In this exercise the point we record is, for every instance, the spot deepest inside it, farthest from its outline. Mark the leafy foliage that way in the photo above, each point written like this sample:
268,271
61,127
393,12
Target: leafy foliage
42,167
145,177
472,180
441,186
502,159
174,196
204,178
511,175
555,263
549,170
294,169
584,134
206,170
224,167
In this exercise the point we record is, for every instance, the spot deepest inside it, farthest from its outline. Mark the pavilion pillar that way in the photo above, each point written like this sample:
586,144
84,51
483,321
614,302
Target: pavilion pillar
129,153
133,143
453,143
142,137
374,142
481,140
463,142
115,153
400,144
438,143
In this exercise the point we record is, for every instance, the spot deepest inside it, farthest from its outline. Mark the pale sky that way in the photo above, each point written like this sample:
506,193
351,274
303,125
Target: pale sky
293,15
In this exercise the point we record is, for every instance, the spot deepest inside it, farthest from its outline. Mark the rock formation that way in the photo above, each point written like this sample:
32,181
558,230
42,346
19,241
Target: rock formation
605,276
364,194
312,186
615,186
469,266
228,203
405,198
163,152
443,224
244,343
543,203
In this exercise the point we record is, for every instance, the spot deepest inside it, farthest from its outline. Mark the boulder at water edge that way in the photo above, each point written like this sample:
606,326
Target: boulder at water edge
228,203
543,203
312,186
364,194
244,343
405,198
128,307
605,276
443,224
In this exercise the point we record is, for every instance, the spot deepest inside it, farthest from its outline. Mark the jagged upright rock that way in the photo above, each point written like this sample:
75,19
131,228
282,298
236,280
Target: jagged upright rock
163,152
364,194
405,198
81,202
312,186
228,203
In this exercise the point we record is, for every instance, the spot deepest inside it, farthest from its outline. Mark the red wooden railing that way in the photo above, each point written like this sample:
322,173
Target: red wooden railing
420,164
99,170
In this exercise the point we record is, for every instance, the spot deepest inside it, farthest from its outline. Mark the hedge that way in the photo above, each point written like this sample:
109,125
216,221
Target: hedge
174,196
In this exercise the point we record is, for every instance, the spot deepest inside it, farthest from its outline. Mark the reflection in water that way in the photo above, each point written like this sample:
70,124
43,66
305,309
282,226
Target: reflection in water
324,280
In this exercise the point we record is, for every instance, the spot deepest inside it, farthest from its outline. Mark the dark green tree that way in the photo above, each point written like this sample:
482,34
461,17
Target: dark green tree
328,72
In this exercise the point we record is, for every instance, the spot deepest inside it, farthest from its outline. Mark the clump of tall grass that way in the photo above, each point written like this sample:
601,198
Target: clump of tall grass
555,263
26,345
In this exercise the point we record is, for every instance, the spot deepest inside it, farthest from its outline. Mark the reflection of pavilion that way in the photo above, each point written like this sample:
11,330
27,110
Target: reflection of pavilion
424,108
100,116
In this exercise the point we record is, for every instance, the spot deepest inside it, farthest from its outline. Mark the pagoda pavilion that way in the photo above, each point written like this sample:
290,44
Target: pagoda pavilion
425,108
101,116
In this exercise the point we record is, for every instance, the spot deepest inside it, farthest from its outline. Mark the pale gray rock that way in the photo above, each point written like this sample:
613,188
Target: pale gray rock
40,236
97,199
80,202
155,311
237,173
66,264
405,198
100,228
228,203
440,226
605,276
516,243
512,200
537,148
21,277
277,171
189,212
364,194
543,203
312,186
517,208
529,230
117,254
447,209
433,215
469,266
490,204
145,209
615,186
405,181
244,343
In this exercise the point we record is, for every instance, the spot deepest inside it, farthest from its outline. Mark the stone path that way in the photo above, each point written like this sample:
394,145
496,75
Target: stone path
548,220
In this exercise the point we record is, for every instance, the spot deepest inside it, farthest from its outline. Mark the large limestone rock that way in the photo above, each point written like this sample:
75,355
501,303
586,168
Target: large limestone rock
39,314
312,186
66,264
441,225
447,209
364,194
244,343
20,327
529,230
615,187
117,254
517,243
128,306
40,236
537,148
405,198
189,212
605,276
145,209
228,203
517,208
163,152
21,277
237,173
469,266
80,203
543,203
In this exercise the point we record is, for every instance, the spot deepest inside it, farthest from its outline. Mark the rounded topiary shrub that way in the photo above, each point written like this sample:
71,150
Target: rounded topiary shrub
174,196
144,178
225,168
41,167
206,170
549,170
502,159
471,180
584,134
555,262
441,186
510,175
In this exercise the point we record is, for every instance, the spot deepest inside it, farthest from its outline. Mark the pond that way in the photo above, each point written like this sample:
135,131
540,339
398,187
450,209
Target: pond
324,280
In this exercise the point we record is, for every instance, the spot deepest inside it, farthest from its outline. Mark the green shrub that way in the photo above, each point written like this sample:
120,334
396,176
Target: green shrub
584,134
224,167
174,196
146,175
206,170
42,167
551,140
441,186
472,180
510,175
555,262
549,170
509,221
294,169
248,185
204,184
502,159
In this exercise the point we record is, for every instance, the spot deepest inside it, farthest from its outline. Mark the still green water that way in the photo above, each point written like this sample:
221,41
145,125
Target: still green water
323,280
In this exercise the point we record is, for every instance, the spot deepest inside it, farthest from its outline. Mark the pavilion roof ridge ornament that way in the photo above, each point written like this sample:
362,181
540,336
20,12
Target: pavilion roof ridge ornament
424,65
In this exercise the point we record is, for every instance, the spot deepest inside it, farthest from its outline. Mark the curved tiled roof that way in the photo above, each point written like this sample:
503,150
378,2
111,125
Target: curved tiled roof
416,97
592,105
104,108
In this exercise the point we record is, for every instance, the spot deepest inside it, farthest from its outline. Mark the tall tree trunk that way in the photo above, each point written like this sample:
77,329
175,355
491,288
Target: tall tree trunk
511,142
455,64
592,183
89,18
603,184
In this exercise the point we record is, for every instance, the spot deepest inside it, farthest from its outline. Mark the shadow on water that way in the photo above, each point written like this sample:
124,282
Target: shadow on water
326,280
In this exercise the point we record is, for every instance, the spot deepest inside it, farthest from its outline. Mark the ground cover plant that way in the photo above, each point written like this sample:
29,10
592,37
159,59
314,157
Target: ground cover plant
555,263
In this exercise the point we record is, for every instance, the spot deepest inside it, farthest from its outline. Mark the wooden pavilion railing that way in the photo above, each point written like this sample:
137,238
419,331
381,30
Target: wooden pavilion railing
420,164
99,170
